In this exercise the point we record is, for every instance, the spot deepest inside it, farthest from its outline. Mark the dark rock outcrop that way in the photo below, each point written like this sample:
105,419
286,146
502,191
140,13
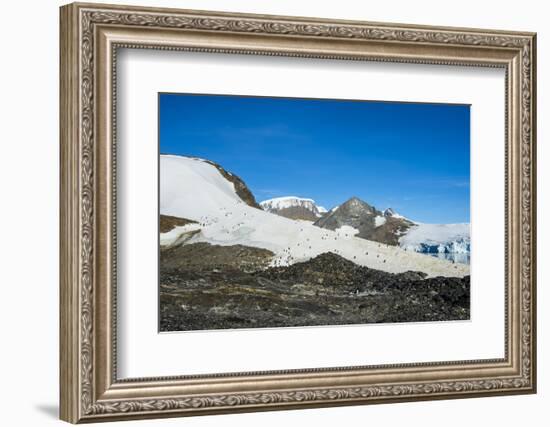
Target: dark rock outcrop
199,256
240,187
167,222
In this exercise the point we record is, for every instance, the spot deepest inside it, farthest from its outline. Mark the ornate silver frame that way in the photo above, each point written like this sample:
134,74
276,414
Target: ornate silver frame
90,36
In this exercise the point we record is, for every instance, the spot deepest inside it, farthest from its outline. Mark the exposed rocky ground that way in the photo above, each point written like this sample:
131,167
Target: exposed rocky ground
168,222
204,256
205,286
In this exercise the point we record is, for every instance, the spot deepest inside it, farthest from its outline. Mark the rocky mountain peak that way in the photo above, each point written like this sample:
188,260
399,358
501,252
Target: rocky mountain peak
356,206
354,213
370,223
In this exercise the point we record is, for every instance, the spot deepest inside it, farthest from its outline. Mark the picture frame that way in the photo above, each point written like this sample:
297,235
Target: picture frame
91,35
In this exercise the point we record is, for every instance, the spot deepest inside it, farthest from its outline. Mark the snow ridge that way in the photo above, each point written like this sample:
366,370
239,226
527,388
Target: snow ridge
391,213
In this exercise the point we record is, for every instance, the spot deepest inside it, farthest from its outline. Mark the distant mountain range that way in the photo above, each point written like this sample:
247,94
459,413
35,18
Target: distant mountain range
294,208
356,217
202,202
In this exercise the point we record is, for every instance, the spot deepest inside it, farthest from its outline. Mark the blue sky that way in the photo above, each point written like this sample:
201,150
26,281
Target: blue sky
409,156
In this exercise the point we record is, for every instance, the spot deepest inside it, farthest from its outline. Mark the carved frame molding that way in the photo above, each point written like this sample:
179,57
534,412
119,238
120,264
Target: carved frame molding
90,35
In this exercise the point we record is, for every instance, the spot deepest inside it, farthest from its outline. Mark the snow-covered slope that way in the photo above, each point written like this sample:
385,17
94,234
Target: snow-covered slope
437,238
194,189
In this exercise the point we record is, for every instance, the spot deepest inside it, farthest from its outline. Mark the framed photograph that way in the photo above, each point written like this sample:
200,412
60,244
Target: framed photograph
266,212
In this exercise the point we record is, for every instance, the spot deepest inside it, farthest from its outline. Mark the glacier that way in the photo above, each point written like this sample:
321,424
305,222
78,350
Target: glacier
438,239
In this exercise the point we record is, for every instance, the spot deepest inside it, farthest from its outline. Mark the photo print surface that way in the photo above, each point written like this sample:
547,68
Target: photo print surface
291,212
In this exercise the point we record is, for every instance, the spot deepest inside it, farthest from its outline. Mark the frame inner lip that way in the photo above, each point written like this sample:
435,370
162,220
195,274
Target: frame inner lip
340,370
